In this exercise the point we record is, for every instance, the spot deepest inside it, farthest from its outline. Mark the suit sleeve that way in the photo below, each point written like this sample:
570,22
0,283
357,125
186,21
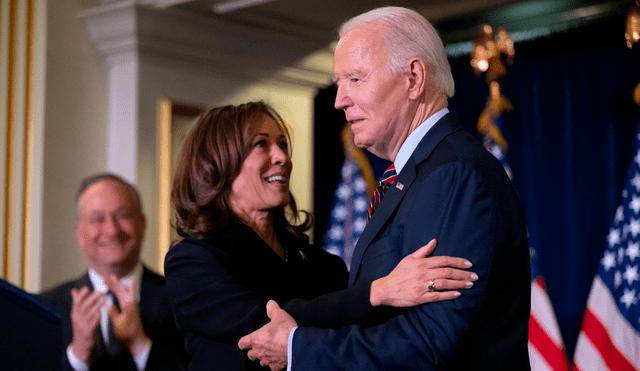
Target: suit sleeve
209,302
456,206
60,298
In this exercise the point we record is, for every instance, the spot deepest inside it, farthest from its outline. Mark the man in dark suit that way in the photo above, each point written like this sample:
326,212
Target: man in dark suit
393,82
117,316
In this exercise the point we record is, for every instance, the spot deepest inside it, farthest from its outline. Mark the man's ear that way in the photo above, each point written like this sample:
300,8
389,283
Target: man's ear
79,237
418,72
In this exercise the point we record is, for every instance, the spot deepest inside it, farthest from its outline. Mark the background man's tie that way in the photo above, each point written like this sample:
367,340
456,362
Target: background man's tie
388,177
113,345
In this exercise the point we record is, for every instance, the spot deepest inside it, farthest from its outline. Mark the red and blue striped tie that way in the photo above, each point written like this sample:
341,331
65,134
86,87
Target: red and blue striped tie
388,177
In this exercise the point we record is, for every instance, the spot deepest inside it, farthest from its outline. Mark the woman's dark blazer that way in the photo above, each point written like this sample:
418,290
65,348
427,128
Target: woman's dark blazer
219,286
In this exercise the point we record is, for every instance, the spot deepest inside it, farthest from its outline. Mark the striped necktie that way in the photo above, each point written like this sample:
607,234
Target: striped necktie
388,177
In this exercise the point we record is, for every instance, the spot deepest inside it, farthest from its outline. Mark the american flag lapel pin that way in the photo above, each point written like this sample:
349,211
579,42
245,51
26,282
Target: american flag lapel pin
399,186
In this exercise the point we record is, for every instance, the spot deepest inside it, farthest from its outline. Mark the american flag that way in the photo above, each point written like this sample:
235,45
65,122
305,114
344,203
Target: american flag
610,334
492,146
546,348
348,213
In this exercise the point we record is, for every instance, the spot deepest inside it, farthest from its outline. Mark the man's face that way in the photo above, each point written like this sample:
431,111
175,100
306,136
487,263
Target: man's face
110,227
375,101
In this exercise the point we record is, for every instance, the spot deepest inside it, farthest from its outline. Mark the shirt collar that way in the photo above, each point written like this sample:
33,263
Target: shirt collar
98,282
412,141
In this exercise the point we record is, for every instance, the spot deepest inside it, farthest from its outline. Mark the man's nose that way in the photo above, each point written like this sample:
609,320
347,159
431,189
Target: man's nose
342,99
111,225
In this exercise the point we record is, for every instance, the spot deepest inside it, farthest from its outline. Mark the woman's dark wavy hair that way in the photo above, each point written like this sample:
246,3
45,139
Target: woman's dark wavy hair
210,160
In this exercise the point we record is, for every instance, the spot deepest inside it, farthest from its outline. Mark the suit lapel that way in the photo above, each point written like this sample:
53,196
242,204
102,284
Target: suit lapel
445,126
154,307
84,281
150,294
391,200
144,288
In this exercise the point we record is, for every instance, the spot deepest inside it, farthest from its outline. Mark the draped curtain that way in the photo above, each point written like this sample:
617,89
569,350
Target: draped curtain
570,141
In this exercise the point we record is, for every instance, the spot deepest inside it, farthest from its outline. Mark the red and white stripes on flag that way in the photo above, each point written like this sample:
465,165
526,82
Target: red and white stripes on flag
610,334
607,341
546,348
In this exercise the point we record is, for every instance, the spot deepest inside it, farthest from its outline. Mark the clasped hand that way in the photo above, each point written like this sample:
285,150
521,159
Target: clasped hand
269,343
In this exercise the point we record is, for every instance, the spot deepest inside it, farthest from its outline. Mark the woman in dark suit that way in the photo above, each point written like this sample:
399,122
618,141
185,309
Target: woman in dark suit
245,244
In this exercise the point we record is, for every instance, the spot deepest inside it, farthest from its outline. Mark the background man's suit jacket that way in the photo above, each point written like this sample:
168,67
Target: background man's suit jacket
454,190
167,351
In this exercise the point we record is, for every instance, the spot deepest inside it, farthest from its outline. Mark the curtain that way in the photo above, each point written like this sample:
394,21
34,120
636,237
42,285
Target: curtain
570,141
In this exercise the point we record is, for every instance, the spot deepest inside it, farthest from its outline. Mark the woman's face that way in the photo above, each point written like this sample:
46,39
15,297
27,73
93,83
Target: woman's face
263,182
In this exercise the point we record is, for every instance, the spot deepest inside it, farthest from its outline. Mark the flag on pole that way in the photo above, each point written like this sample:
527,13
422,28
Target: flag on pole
610,334
350,201
546,348
348,213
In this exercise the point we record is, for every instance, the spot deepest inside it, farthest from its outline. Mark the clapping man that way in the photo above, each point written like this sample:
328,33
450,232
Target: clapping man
116,316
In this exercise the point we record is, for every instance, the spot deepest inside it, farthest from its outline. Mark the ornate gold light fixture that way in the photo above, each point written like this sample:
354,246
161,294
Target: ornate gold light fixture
632,34
492,50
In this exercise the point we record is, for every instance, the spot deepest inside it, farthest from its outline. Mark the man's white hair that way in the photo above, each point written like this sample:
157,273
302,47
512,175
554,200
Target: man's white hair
408,35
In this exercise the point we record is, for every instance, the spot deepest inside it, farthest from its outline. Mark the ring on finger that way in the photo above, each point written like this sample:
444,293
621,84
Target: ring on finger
432,286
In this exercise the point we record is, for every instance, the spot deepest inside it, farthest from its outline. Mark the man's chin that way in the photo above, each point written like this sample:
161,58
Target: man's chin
109,249
362,145
114,254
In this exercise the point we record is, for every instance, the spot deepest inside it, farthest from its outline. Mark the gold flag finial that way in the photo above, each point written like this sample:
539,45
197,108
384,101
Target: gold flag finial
492,50
632,29
632,34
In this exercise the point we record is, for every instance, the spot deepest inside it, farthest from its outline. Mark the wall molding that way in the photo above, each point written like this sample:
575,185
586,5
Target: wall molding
123,30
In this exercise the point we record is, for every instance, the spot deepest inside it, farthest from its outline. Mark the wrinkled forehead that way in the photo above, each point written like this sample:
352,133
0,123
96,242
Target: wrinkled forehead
359,52
366,38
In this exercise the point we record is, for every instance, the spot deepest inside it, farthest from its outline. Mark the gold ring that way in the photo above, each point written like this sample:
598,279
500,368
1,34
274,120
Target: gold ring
432,286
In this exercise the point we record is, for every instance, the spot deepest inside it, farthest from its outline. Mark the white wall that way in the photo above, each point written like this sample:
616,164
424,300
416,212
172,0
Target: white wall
75,131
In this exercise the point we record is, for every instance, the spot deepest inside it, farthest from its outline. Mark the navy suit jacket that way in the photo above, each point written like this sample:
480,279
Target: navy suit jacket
167,350
454,190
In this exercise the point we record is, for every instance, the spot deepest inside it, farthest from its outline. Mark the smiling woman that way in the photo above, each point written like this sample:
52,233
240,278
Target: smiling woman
230,192
263,182
223,169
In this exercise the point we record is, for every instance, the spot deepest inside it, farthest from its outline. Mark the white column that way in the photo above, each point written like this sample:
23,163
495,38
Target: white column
113,30
122,120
